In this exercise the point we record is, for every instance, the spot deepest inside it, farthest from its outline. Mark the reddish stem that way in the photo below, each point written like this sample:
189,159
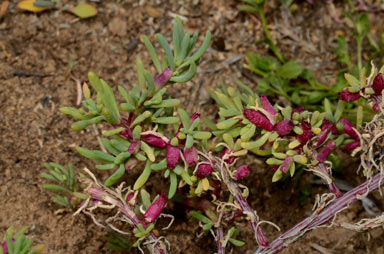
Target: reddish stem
332,186
219,240
325,215
234,189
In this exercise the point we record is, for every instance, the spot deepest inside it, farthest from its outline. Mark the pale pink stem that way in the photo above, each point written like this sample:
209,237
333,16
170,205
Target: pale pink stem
219,240
327,214
233,187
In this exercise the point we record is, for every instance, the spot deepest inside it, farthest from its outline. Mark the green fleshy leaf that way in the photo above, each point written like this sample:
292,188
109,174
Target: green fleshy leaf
277,176
150,82
172,186
189,141
159,166
328,110
143,177
127,107
140,73
74,112
178,34
141,117
167,49
110,109
152,53
108,133
145,198
186,75
200,217
95,155
121,158
226,124
339,110
184,48
106,166
169,103
95,81
202,135
166,120
115,176
199,52
148,151
184,117
236,242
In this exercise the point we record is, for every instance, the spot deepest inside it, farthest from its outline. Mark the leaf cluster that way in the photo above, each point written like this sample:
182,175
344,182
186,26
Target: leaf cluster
65,184
18,243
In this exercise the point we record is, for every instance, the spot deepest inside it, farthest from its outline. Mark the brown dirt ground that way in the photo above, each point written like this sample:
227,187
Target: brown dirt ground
34,58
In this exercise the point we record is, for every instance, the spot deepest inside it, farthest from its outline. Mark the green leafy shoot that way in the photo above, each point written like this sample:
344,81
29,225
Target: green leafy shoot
18,243
65,184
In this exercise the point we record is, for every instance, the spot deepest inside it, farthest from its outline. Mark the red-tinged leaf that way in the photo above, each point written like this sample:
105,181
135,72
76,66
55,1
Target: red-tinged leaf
351,146
348,128
191,156
163,77
286,164
258,119
5,247
378,84
324,153
134,146
203,170
153,140
284,127
267,106
307,132
156,208
327,125
376,107
242,172
346,95
172,156
298,109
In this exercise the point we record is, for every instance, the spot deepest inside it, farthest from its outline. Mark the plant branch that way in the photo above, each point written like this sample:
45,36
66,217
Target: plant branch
220,240
322,215
234,189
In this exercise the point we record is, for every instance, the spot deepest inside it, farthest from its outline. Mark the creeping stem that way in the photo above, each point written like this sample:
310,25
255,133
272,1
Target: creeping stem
321,217
220,240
